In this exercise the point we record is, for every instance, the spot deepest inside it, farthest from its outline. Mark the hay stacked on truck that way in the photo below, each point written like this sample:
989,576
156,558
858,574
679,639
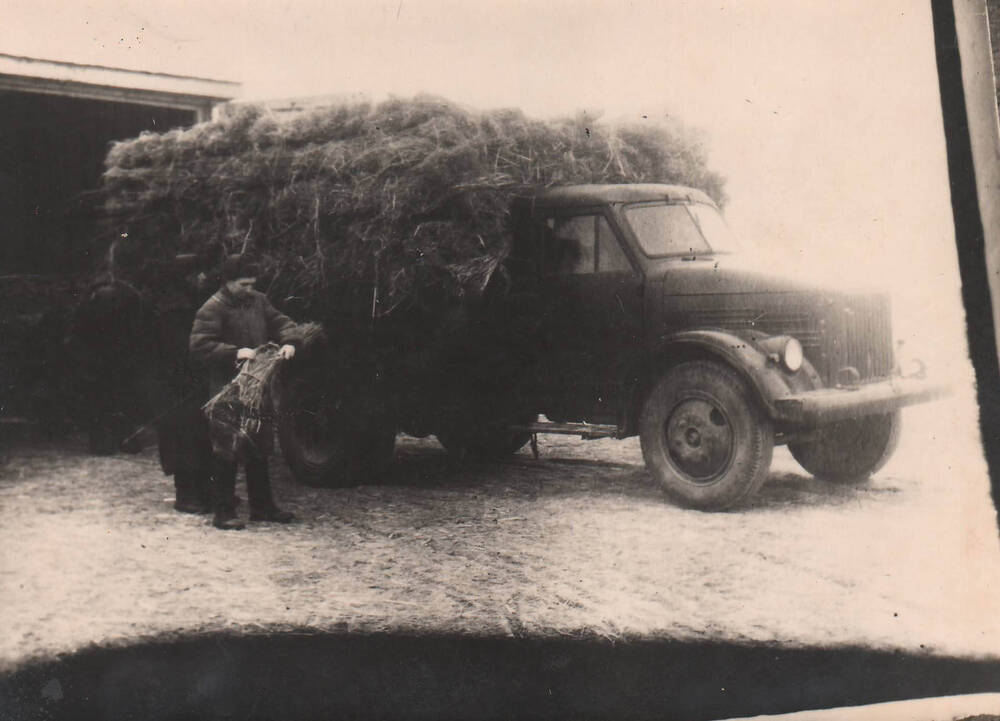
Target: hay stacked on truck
407,198
384,222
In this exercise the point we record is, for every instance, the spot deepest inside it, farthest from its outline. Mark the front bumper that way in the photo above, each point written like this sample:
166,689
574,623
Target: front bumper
826,405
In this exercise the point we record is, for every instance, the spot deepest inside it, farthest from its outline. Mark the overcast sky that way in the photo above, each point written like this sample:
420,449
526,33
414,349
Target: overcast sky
823,116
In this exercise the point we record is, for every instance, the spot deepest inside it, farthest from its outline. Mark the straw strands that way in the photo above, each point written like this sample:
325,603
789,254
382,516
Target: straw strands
395,208
240,414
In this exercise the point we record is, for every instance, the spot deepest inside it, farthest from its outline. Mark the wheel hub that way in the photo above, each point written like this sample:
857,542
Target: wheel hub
699,439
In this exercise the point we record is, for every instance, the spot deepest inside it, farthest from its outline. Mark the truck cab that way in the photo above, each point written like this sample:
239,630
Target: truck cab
653,321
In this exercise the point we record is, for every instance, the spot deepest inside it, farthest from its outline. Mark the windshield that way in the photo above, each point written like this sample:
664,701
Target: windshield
695,229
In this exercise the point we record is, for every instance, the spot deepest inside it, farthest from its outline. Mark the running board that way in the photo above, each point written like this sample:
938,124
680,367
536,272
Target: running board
586,431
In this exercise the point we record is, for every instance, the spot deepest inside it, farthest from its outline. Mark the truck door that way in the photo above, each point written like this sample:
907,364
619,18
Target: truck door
593,304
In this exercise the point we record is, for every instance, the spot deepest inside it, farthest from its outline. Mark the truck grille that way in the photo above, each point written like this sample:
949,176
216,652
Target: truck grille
857,333
835,331
799,323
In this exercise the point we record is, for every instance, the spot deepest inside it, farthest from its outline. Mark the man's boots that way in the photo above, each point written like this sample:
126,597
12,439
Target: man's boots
272,515
262,506
225,519
189,493
223,488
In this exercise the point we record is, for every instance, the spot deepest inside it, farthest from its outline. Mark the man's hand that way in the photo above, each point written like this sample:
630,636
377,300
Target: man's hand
246,354
286,351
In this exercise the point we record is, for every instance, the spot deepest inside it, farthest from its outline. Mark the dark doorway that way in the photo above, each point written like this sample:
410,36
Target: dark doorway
52,151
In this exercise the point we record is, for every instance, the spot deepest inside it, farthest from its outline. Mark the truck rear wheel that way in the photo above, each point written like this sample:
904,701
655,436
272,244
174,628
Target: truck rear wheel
336,458
327,447
849,451
704,437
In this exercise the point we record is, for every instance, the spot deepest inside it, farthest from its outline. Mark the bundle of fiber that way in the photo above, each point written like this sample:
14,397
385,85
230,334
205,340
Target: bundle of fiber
240,415
396,208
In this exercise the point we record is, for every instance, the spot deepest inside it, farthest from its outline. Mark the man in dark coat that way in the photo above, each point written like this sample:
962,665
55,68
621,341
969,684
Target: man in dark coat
182,429
228,327
128,346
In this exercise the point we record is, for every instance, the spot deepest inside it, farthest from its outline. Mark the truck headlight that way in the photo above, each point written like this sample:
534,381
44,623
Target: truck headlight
783,350
791,355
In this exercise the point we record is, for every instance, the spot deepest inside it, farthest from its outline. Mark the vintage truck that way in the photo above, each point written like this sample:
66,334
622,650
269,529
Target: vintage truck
638,314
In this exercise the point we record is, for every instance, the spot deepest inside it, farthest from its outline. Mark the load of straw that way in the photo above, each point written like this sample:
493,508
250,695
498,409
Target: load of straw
408,198
381,221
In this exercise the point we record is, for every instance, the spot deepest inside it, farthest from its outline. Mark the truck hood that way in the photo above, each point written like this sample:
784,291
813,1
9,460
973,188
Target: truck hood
744,273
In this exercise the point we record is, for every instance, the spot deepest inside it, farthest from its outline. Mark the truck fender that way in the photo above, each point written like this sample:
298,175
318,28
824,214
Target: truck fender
767,379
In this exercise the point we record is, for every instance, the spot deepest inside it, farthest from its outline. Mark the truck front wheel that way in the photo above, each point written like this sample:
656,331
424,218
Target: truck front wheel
848,451
704,437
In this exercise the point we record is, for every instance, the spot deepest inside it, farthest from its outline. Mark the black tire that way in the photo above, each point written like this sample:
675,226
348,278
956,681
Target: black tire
849,451
326,446
485,441
338,460
704,437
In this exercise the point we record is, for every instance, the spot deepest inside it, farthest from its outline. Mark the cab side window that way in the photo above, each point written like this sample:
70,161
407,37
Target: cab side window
585,244
610,256
574,245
